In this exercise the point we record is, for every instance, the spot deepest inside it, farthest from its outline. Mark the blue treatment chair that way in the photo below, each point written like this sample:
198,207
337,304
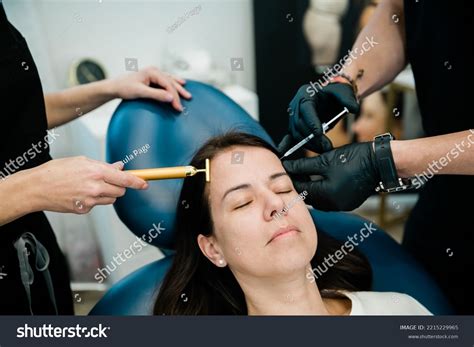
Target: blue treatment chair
173,140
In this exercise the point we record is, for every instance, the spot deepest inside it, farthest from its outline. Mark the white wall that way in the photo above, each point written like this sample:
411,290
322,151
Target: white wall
111,30
60,32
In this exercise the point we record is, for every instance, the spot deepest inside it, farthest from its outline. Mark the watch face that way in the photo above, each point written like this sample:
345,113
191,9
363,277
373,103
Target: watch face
89,71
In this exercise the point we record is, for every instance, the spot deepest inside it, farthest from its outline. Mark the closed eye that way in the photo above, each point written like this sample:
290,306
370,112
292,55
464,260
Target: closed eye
243,205
285,192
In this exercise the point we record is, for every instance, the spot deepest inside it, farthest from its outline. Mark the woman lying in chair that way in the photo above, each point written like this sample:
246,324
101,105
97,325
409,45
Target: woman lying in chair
247,245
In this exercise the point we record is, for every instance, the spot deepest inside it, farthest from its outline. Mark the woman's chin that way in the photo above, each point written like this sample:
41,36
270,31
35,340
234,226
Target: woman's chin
292,261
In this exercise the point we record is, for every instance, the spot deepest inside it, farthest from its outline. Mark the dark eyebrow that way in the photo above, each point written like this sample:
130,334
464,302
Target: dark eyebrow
278,174
233,189
246,185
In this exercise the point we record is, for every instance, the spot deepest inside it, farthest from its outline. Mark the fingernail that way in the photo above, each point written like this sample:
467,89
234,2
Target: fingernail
145,185
169,98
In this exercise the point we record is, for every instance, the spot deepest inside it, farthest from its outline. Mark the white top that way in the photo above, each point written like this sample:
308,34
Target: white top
385,303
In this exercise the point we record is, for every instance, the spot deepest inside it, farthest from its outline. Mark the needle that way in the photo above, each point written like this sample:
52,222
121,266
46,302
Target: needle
310,136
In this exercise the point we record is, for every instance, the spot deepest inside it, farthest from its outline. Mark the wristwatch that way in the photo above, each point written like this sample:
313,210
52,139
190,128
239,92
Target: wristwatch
390,182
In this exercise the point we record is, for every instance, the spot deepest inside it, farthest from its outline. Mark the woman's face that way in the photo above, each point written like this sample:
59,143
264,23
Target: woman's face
248,191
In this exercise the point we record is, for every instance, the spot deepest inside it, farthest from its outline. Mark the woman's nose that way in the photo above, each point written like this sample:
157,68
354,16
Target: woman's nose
274,206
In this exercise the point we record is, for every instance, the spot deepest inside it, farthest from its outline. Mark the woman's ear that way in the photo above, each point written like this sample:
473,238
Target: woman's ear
212,251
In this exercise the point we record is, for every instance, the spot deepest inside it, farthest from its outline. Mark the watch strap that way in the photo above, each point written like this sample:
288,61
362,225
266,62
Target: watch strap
385,162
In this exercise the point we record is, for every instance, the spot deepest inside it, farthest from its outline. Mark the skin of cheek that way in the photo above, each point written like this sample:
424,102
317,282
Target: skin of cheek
301,253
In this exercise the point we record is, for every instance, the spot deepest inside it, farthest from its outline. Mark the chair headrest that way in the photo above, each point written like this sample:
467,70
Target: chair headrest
147,134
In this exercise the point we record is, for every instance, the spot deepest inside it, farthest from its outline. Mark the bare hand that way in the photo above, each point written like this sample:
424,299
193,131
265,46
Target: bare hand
137,85
78,184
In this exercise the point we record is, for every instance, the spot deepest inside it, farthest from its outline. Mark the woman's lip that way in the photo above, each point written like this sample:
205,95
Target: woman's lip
283,231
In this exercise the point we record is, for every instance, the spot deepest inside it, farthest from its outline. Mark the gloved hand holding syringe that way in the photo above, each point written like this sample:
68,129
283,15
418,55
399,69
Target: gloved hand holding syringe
310,136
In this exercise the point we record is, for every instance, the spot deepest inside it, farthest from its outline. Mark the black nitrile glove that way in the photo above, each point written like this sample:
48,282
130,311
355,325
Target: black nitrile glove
310,108
350,175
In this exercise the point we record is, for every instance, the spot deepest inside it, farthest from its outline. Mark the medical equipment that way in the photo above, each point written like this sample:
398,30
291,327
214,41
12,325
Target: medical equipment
310,136
164,173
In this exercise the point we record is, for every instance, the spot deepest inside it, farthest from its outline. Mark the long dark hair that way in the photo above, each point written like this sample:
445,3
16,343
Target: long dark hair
195,286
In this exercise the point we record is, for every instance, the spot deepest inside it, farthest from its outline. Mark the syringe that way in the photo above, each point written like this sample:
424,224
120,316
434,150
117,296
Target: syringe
310,136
